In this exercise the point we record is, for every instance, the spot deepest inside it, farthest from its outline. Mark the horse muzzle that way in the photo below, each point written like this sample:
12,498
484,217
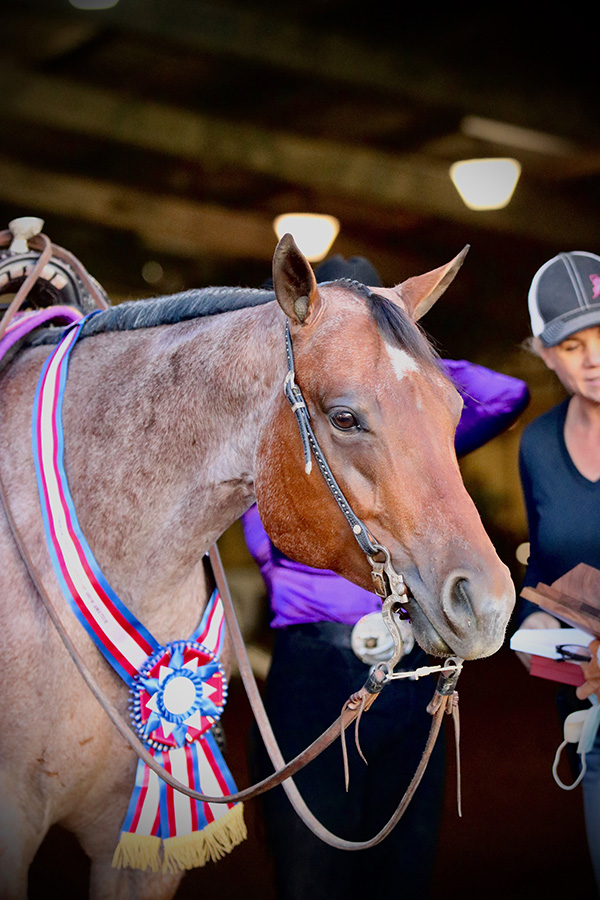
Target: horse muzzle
467,618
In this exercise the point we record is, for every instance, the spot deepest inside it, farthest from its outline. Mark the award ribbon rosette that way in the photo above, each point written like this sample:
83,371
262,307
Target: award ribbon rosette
177,691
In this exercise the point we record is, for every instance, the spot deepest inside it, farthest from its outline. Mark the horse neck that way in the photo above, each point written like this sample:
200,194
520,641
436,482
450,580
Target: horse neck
174,415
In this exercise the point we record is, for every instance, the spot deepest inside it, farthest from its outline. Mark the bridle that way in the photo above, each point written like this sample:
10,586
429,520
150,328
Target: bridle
388,584
386,581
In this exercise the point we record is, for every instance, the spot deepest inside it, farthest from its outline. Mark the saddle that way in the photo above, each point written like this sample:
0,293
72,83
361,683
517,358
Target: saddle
49,286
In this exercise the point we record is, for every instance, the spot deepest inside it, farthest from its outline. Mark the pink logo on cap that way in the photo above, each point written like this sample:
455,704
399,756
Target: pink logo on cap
595,279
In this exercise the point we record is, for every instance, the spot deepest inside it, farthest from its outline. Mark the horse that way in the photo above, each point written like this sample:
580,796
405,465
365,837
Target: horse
175,422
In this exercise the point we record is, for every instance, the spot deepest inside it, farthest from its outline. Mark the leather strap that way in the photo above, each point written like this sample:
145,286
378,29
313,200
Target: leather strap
295,398
19,298
353,708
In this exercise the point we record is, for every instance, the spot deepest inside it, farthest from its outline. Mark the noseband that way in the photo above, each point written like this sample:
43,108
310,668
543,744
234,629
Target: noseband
388,584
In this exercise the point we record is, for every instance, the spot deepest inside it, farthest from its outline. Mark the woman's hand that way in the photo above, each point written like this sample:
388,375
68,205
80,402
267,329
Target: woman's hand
591,672
537,619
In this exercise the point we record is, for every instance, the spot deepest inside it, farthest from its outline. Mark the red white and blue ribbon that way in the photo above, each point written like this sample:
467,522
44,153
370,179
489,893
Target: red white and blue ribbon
177,691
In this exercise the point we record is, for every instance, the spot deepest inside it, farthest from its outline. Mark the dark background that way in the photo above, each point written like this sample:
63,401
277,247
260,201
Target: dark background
519,836
171,132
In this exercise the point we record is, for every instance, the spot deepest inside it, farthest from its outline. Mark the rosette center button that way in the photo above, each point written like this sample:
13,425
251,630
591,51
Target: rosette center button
179,695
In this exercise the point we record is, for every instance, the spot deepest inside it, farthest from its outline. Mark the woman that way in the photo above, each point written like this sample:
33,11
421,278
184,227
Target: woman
560,467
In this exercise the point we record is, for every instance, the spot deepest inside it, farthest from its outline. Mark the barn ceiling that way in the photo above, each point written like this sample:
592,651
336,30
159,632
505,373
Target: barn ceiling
173,131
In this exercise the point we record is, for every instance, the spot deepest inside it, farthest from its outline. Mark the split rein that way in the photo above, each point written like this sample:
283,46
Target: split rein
388,584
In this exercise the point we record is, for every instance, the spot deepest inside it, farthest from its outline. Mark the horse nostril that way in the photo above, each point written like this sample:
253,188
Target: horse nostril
457,602
461,591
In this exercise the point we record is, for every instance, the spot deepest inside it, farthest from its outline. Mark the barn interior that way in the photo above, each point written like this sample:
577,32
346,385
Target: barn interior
159,139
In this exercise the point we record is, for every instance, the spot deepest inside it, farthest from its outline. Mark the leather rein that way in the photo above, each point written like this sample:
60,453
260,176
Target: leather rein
388,584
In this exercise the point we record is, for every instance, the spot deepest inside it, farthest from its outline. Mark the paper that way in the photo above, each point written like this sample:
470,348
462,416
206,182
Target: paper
546,661
543,641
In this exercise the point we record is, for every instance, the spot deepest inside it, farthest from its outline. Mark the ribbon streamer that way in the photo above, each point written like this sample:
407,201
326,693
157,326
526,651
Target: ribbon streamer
177,691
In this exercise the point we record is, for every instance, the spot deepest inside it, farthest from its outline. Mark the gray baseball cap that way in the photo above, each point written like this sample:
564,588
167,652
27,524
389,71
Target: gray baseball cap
564,296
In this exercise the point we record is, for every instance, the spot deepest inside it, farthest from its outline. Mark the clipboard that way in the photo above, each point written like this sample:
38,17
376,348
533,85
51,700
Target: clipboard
546,662
574,598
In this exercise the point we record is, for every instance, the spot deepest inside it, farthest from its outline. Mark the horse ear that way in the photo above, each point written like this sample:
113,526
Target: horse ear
420,293
294,281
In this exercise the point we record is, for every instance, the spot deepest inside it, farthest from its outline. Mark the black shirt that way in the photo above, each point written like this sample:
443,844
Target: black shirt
563,507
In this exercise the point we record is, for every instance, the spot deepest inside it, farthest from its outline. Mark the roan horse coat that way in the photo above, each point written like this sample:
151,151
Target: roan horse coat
171,431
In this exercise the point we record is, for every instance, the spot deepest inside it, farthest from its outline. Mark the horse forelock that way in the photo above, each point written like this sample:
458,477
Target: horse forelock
395,325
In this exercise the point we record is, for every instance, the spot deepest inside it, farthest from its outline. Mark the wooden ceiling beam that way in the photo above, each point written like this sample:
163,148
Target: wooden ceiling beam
357,173
397,69
164,223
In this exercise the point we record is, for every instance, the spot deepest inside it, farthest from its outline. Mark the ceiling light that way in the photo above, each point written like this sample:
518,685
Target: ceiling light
314,234
93,4
485,183
152,272
516,136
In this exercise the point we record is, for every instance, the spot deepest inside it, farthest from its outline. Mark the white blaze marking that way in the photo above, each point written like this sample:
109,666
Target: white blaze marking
402,362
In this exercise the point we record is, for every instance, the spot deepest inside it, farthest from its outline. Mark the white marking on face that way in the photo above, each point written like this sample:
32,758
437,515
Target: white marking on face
402,362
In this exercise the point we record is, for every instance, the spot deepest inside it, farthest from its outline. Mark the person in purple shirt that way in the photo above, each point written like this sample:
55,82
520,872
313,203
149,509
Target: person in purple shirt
318,629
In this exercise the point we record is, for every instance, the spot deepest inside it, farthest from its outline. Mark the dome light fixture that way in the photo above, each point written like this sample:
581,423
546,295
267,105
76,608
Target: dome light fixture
314,233
486,183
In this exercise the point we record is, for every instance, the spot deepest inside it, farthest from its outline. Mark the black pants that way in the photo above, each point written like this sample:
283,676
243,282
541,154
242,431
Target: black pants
312,674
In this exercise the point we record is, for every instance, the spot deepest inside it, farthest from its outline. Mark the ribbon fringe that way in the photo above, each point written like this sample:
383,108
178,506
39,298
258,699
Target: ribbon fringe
186,851
189,851
137,851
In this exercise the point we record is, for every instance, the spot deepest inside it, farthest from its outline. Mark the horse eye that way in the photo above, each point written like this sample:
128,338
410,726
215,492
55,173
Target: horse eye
344,420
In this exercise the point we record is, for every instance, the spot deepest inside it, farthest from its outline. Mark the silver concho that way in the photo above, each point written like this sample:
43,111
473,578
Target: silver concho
373,643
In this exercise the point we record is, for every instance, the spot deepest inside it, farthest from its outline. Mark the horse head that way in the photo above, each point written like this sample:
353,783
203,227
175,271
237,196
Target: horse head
384,415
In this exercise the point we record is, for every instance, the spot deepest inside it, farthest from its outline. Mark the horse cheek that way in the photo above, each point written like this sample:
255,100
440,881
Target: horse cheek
297,509
282,494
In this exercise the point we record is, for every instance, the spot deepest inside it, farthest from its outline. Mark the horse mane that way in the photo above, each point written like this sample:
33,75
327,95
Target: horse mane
396,327
166,310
